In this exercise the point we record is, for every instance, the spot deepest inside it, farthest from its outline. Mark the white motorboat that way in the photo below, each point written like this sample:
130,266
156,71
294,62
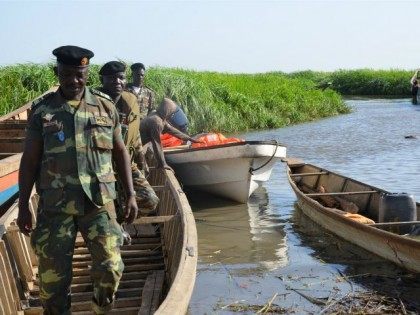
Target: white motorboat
233,171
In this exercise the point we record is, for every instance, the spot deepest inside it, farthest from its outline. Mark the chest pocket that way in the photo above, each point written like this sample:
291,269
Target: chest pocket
102,132
54,137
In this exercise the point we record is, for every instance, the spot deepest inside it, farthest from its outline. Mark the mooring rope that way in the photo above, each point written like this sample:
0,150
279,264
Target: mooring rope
252,170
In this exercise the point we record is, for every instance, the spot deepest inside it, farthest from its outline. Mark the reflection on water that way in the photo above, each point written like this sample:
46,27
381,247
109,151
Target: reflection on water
249,253
238,233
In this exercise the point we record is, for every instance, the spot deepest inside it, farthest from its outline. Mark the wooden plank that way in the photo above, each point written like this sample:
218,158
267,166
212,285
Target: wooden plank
147,230
153,219
6,297
159,188
33,311
119,303
10,164
394,223
7,268
308,174
293,162
152,292
344,193
22,261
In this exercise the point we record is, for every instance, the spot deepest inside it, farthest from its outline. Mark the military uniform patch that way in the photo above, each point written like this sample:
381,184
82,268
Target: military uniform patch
101,121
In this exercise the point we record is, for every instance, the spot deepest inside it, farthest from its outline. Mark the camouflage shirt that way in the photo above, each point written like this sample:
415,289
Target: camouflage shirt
76,157
145,99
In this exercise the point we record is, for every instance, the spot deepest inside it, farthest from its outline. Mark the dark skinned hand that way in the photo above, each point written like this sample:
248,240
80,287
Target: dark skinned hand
131,209
24,220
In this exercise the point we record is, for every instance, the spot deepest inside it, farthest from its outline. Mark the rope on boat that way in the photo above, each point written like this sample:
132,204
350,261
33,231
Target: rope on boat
252,170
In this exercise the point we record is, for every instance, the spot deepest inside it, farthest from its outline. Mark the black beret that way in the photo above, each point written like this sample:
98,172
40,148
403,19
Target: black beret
112,67
137,66
73,55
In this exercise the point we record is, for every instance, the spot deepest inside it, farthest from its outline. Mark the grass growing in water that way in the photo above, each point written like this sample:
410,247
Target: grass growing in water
212,101
361,82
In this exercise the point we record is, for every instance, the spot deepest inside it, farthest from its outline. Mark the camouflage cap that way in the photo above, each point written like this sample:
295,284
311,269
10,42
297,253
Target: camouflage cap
112,67
137,66
73,55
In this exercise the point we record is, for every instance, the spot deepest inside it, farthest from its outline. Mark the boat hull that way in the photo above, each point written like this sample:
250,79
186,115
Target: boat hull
401,250
232,171
9,173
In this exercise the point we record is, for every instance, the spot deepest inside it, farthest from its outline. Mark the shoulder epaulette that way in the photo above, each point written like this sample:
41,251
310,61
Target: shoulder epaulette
39,100
101,94
130,92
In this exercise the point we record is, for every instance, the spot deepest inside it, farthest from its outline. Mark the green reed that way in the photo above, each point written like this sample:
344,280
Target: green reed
362,82
212,101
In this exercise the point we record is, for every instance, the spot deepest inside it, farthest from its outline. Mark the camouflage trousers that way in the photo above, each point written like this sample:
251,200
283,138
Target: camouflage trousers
53,241
146,198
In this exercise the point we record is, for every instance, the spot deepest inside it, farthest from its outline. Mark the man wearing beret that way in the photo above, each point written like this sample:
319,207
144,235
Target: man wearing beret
113,79
73,140
145,96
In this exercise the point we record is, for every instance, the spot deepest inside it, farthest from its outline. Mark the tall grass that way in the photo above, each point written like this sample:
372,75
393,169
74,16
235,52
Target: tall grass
233,102
212,101
361,82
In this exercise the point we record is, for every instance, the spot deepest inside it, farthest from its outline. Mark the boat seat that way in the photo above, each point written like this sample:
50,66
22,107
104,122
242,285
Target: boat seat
308,174
343,193
153,219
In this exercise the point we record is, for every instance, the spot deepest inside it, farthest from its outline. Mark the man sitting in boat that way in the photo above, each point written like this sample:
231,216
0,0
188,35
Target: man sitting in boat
157,123
73,144
113,79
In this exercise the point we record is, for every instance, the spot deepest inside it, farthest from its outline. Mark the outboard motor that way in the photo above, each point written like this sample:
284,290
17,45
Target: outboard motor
179,120
398,207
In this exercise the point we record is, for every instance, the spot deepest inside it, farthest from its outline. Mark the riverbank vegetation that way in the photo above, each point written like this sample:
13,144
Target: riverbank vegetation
231,102
213,101
362,82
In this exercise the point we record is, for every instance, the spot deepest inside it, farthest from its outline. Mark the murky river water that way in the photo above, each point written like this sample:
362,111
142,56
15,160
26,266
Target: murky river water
265,251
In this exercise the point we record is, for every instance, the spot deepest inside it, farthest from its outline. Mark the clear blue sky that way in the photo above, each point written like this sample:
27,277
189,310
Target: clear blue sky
229,36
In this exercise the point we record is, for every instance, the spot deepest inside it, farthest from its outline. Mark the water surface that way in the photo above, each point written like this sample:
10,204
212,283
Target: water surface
267,251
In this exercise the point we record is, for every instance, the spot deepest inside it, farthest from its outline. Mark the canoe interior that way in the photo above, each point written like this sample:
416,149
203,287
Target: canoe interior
160,263
368,203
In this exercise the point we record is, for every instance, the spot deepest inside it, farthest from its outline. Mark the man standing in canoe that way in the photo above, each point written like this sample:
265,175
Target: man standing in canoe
415,86
113,79
145,96
73,140
157,123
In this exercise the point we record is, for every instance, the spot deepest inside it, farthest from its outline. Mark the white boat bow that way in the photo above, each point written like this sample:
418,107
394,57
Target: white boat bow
233,171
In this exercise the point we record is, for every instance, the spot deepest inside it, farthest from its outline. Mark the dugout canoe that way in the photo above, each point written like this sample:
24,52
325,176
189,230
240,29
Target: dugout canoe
12,136
306,181
233,171
160,263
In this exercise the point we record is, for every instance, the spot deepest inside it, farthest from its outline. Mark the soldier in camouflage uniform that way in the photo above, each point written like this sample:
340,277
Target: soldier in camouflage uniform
145,96
113,81
73,140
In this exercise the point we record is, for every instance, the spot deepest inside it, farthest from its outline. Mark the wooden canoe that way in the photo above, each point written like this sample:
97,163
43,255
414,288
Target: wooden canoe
12,136
160,264
306,180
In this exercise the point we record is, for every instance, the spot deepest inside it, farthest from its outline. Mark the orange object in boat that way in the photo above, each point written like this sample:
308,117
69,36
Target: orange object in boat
359,218
212,139
168,140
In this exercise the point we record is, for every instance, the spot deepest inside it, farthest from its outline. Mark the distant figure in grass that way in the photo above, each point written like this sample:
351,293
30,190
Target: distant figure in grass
145,95
113,79
415,86
157,123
